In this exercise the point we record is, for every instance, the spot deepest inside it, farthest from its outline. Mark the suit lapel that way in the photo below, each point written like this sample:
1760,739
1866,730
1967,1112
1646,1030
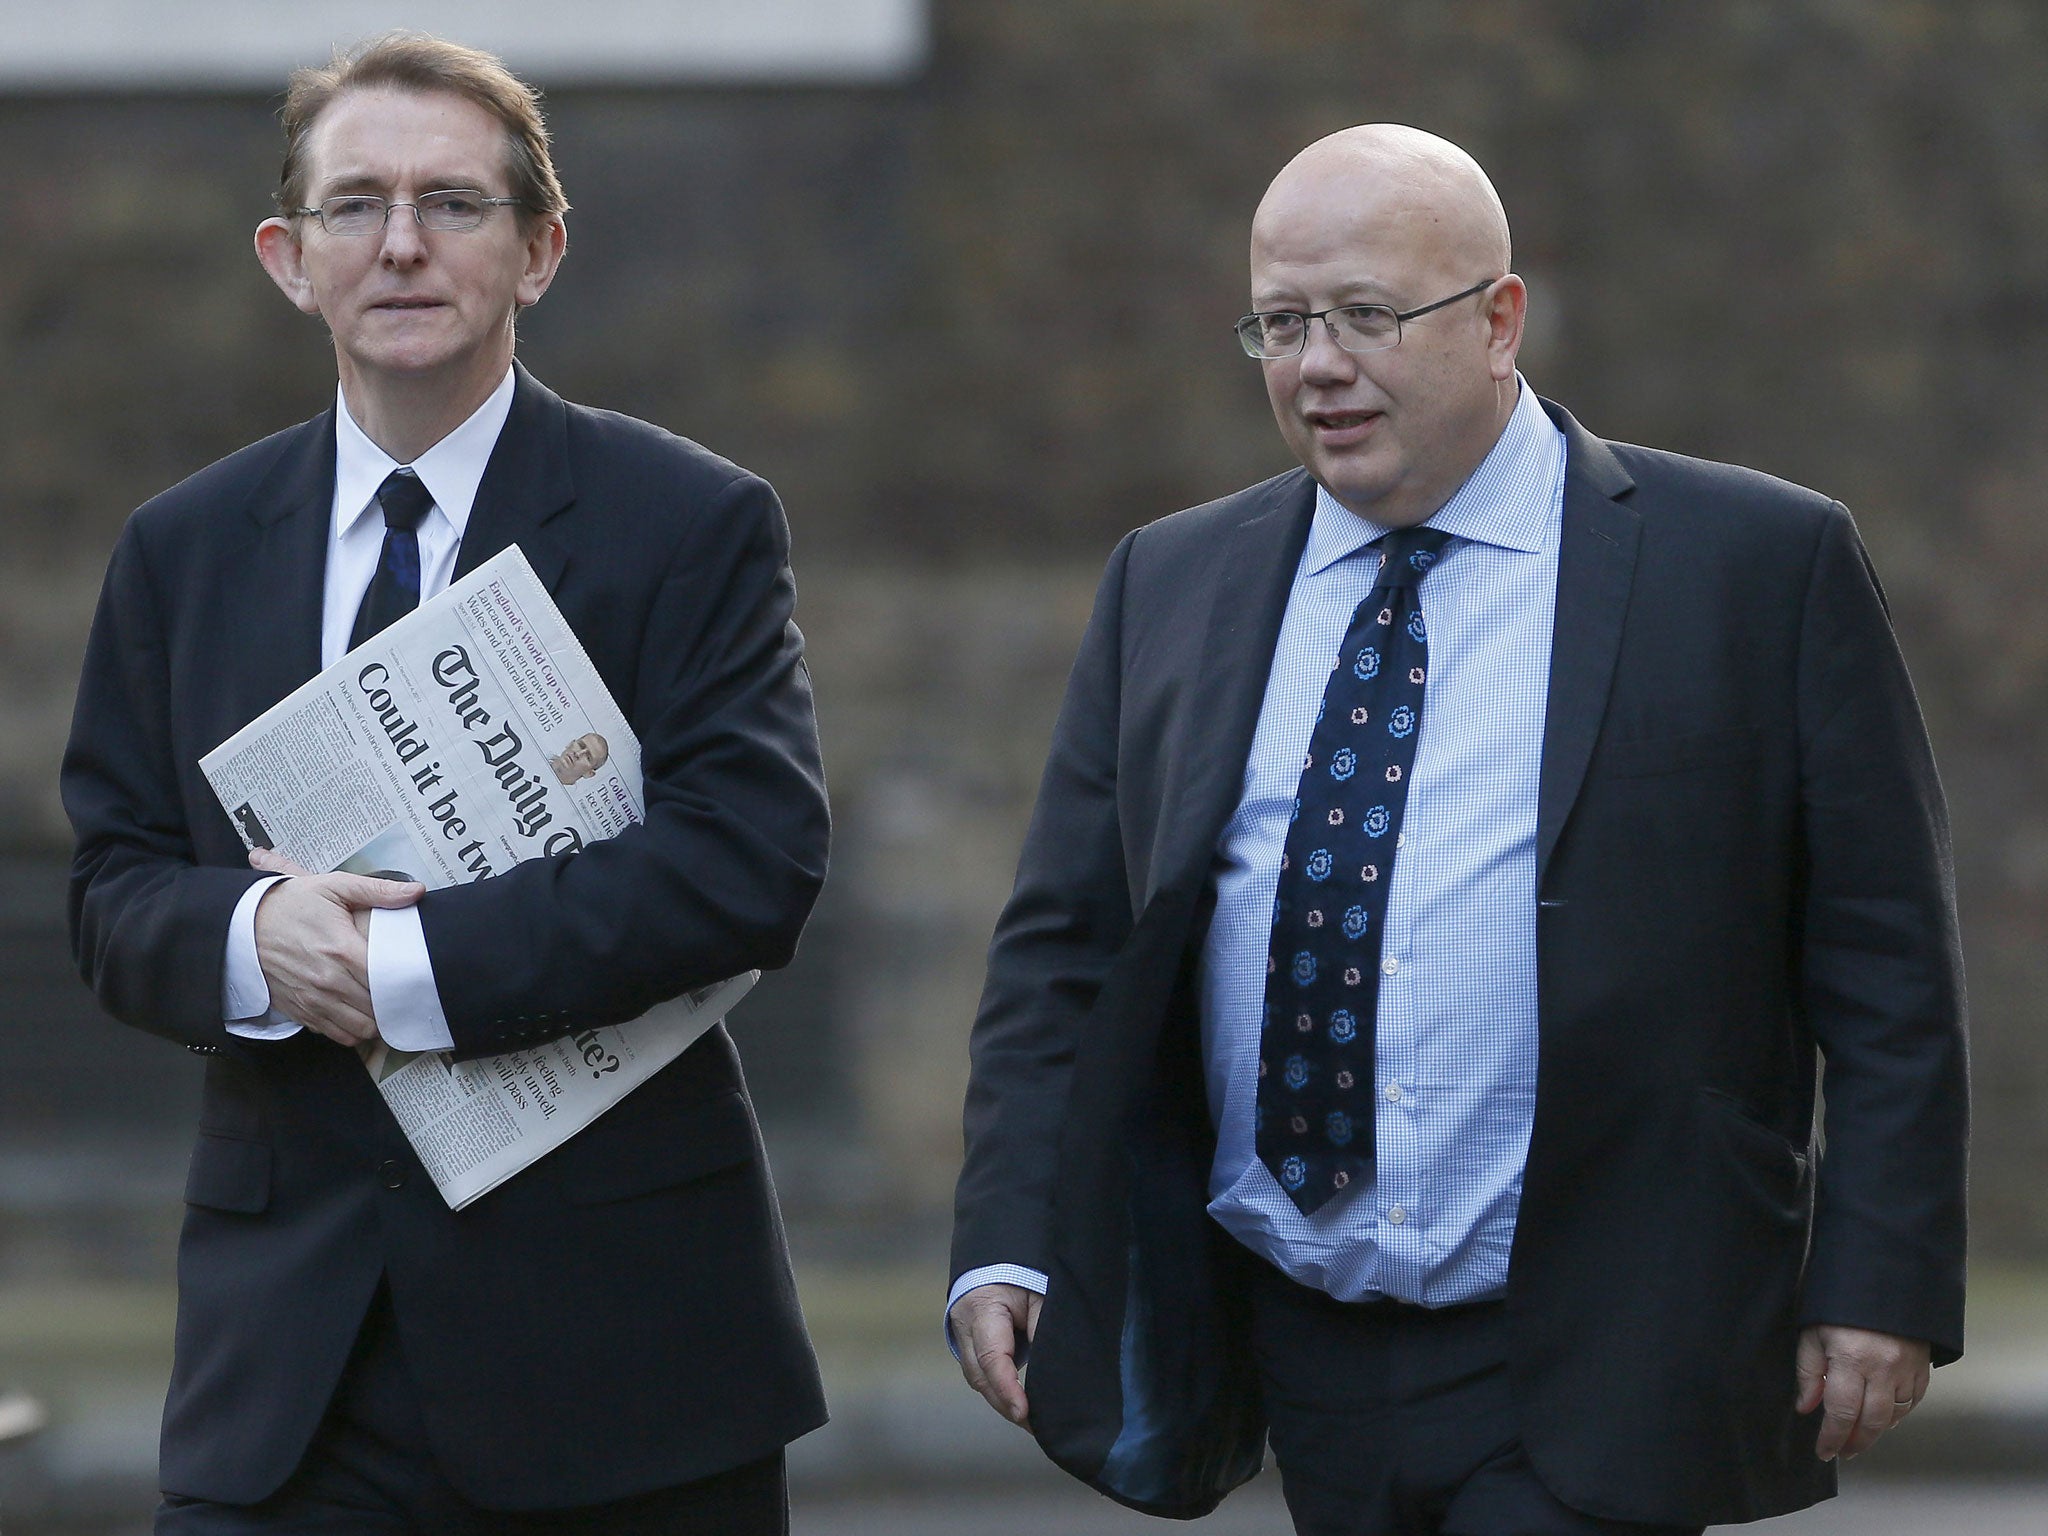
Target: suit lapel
526,483
286,578
1596,565
1250,575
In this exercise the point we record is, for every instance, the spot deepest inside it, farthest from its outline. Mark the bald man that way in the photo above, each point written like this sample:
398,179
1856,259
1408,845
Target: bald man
1458,860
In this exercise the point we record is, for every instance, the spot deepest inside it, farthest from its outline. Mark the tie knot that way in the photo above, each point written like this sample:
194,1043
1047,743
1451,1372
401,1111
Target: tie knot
1406,555
404,499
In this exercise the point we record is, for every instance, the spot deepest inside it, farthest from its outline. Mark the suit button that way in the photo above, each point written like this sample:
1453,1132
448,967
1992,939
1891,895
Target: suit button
391,1173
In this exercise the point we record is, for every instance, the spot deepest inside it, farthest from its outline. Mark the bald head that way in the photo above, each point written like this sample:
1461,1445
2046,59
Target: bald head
1390,411
1411,185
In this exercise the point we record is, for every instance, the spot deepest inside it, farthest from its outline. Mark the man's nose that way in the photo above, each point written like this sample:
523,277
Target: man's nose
1322,360
404,236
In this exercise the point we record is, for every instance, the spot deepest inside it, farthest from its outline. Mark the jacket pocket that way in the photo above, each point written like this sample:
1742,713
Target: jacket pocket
636,1154
229,1174
1761,1151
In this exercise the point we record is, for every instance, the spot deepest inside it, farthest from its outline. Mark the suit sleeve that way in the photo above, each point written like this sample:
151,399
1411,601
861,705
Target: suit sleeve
149,925
1067,917
1881,973
723,873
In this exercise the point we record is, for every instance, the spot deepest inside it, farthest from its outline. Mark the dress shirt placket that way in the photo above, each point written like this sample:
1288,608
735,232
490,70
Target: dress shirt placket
1454,1025
1396,1047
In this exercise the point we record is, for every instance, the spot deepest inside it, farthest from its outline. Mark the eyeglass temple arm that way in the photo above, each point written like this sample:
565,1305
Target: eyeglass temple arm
1440,303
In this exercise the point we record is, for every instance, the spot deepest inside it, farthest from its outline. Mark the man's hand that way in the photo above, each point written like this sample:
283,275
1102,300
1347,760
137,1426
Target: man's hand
987,1323
312,939
1869,1381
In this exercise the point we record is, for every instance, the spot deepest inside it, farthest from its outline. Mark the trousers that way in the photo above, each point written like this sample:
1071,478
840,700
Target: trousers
1394,1420
370,1472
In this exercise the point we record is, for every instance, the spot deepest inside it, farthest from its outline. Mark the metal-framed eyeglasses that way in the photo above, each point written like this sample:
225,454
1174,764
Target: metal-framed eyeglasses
1277,333
452,208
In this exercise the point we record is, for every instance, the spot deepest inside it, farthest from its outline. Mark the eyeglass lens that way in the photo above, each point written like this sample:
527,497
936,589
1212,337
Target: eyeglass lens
1360,328
458,208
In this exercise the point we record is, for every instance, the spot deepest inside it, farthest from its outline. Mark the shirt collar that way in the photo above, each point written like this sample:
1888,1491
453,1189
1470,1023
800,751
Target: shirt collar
451,470
1507,501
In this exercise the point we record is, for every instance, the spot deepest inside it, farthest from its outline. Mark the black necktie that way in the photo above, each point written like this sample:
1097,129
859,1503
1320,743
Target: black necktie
395,590
1314,1107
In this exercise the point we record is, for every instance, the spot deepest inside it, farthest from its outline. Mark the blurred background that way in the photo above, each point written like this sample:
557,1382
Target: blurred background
958,277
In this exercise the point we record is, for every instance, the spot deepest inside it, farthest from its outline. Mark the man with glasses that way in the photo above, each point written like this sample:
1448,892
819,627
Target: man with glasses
610,1341
1455,861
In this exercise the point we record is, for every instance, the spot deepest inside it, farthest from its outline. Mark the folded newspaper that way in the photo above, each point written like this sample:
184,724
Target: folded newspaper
471,734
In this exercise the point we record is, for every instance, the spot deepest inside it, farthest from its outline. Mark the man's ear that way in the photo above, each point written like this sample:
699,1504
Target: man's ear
1506,308
277,247
545,243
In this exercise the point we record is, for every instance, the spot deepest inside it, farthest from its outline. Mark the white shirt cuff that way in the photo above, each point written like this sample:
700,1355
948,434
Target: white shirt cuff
988,1274
402,992
244,994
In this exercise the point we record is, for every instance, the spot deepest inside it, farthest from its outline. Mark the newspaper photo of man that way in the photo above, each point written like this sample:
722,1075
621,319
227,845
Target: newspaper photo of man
581,758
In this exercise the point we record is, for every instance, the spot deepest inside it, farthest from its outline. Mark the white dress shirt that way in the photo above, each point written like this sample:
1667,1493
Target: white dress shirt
403,996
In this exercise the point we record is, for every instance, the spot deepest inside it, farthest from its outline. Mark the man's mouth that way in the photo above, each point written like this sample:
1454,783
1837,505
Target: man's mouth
1341,426
407,304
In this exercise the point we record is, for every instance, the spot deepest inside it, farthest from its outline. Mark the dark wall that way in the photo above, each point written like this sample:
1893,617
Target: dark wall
983,320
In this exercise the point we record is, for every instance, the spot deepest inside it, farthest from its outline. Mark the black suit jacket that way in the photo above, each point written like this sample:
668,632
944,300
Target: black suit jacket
620,1316
1743,868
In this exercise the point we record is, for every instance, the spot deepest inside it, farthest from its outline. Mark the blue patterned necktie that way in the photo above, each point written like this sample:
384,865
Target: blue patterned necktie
1316,1083
395,590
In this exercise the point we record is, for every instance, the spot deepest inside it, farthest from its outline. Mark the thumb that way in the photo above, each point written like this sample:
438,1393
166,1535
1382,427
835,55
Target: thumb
1811,1367
368,891
271,862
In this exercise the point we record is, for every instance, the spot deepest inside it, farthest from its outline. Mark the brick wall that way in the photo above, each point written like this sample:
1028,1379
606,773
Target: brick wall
976,327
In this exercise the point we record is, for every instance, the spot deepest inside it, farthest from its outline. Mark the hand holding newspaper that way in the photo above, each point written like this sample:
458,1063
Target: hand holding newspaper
470,735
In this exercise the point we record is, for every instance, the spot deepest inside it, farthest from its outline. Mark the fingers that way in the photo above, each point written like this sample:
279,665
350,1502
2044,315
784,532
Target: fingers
1870,1382
988,1359
1811,1367
350,890
967,1346
366,891
332,1003
1841,1411
1001,1387
314,960
1879,1411
344,1026
1904,1399
985,1324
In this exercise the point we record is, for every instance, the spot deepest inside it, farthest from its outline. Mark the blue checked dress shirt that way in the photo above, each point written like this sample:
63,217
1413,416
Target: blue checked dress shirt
1312,1118
1455,1031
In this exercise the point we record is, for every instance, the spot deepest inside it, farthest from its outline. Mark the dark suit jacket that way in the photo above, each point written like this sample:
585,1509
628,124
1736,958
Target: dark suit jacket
620,1316
1743,865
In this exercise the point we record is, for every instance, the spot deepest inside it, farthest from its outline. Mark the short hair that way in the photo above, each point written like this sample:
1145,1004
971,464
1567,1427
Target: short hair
419,63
